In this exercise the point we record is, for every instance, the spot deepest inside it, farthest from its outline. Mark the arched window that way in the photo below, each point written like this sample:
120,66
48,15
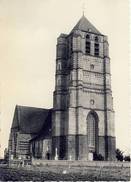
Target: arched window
96,46
87,36
96,39
96,49
92,131
59,66
87,46
58,81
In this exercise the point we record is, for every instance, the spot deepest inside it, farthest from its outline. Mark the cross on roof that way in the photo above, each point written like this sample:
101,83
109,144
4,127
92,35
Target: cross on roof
83,7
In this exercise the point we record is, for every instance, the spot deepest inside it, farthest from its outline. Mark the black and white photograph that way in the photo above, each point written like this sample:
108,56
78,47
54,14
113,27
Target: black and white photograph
64,90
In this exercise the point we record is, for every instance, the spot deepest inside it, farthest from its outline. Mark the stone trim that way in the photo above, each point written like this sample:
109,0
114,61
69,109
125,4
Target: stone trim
93,33
99,73
96,109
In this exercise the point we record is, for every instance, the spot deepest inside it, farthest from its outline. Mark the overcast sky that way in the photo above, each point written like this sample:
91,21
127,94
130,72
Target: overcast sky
28,34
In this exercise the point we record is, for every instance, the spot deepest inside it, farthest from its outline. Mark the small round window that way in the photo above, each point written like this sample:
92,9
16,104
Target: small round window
92,102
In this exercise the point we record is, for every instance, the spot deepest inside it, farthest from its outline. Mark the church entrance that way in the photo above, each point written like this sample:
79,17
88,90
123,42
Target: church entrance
48,156
92,134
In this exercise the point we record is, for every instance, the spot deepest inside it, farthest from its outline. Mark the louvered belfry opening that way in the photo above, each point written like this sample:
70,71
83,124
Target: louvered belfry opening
92,132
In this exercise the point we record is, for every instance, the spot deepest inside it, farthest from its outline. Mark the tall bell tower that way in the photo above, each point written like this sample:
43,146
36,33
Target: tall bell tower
83,115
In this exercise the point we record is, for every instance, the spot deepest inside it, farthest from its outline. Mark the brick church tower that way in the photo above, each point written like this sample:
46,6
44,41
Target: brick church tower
83,115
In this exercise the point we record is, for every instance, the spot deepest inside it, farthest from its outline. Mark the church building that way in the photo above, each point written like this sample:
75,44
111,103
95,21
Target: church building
81,122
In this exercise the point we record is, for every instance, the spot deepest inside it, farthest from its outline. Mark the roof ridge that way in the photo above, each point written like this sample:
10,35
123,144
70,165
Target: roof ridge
21,106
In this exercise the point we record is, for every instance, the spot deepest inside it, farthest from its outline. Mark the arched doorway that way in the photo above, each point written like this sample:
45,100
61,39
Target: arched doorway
92,134
48,156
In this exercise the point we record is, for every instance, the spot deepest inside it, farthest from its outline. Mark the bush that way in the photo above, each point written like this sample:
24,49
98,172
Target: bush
119,155
98,157
127,158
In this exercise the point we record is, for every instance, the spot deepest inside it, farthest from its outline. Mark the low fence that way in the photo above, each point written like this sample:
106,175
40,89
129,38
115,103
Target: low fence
39,162
19,162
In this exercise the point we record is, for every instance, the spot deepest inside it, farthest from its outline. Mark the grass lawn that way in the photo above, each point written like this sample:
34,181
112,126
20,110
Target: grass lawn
56,173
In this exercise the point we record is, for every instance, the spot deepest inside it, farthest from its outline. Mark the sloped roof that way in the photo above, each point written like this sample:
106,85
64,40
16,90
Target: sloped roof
84,25
45,131
30,120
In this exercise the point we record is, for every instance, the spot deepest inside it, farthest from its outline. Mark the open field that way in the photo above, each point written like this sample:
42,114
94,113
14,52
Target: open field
66,173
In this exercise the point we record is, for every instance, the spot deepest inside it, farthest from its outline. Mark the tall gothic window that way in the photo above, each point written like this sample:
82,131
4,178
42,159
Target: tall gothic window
87,50
58,81
58,66
92,131
96,47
